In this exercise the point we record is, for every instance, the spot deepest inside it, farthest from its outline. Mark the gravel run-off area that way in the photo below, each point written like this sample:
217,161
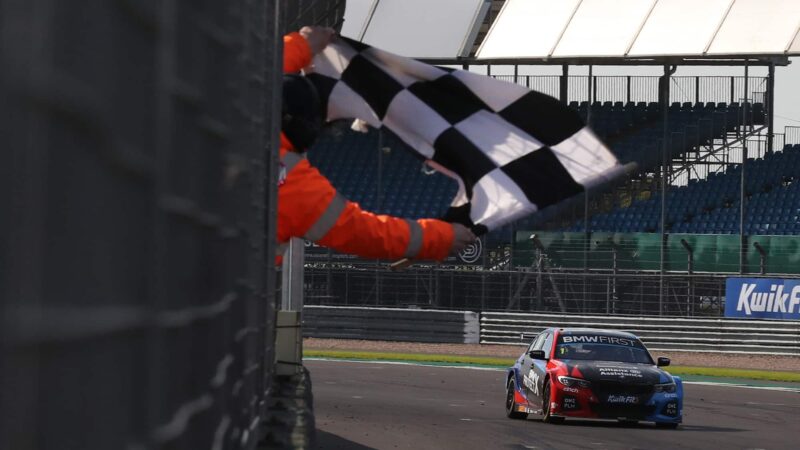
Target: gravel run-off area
761,362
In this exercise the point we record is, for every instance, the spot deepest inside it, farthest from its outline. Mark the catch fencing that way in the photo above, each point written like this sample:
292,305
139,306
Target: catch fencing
139,172
538,289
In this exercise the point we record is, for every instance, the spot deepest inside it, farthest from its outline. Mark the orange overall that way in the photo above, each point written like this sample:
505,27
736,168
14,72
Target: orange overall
309,206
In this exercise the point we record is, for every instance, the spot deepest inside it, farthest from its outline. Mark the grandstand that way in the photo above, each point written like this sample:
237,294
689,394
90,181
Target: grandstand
375,170
714,192
712,205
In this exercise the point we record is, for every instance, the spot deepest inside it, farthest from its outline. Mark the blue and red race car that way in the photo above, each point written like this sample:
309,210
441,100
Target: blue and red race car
592,374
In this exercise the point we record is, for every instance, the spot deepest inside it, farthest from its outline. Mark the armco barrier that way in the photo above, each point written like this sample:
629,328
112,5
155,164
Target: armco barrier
413,325
665,334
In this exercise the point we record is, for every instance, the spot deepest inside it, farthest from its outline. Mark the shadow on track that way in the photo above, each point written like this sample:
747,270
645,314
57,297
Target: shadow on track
328,441
642,425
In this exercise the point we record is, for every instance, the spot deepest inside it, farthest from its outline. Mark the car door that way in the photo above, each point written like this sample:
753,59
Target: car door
539,369
525,367
529,370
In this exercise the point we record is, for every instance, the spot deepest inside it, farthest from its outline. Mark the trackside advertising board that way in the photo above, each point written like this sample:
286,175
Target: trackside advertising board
762,298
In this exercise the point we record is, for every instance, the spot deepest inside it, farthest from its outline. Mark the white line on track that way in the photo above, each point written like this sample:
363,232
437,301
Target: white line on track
411,363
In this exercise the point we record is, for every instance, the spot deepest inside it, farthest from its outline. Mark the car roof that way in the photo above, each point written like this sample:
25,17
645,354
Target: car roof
597,331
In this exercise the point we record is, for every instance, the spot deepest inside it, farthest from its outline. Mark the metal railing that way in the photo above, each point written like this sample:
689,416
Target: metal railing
625,89
391,324
660,334
792,136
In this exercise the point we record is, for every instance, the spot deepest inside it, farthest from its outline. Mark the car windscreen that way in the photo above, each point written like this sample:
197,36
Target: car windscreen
601,348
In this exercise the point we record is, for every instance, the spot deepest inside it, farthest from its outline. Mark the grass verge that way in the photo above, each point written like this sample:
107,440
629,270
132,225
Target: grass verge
724,372
765,375
413,357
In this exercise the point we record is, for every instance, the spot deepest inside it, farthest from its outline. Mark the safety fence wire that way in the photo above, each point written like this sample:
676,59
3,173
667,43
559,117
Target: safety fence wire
134,310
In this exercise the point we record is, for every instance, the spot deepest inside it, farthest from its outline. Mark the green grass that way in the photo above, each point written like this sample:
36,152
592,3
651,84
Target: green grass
765,375
414,357
750,374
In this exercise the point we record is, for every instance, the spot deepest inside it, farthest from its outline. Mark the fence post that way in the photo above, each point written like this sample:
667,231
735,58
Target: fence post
664,97
539,266
690,270
288,338
628,89
587,233
614,268
771,108
742,192
430,287
589,98
762,265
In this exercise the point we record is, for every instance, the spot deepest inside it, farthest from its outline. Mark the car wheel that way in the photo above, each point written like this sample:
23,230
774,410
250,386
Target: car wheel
669,425
511,405
546,416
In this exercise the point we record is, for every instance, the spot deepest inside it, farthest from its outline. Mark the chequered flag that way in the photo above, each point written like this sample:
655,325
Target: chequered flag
512,151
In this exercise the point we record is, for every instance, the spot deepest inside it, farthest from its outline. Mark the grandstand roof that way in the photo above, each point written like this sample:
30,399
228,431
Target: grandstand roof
416,28
568,31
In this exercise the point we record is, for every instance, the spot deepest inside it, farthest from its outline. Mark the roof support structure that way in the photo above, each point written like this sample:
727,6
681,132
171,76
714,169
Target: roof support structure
752,61
663,97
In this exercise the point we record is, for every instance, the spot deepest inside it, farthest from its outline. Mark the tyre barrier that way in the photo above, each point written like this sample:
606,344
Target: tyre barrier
289,421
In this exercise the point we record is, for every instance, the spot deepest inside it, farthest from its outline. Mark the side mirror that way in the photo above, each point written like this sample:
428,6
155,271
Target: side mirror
536,354
662,361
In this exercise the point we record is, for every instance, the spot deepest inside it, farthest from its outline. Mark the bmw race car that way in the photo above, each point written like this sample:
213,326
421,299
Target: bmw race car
592,374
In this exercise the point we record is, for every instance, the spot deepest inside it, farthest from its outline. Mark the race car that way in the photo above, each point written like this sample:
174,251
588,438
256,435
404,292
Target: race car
592,374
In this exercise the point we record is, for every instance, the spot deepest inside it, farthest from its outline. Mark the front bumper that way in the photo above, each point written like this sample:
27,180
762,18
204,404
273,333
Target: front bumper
585,403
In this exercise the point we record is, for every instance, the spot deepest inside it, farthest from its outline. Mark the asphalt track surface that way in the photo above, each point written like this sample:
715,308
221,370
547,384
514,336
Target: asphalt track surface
392,406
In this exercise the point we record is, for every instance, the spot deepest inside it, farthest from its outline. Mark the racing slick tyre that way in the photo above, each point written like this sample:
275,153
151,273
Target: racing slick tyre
669,425
546,416
511,405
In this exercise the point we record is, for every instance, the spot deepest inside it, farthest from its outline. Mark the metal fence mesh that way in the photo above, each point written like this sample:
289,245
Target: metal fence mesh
138,212
540,289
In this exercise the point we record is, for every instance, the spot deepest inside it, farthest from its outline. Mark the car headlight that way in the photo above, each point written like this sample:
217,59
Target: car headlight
576,382
665,387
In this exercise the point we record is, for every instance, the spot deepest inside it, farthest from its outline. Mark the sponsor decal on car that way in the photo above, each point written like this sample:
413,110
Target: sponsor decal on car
531,381
615,371
569,403
570,389
623,399
597,339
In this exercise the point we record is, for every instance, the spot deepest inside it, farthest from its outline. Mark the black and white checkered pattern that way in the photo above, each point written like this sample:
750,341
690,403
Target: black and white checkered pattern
512,151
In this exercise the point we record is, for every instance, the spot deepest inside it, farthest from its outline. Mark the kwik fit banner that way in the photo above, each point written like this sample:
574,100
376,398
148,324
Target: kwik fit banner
762,298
